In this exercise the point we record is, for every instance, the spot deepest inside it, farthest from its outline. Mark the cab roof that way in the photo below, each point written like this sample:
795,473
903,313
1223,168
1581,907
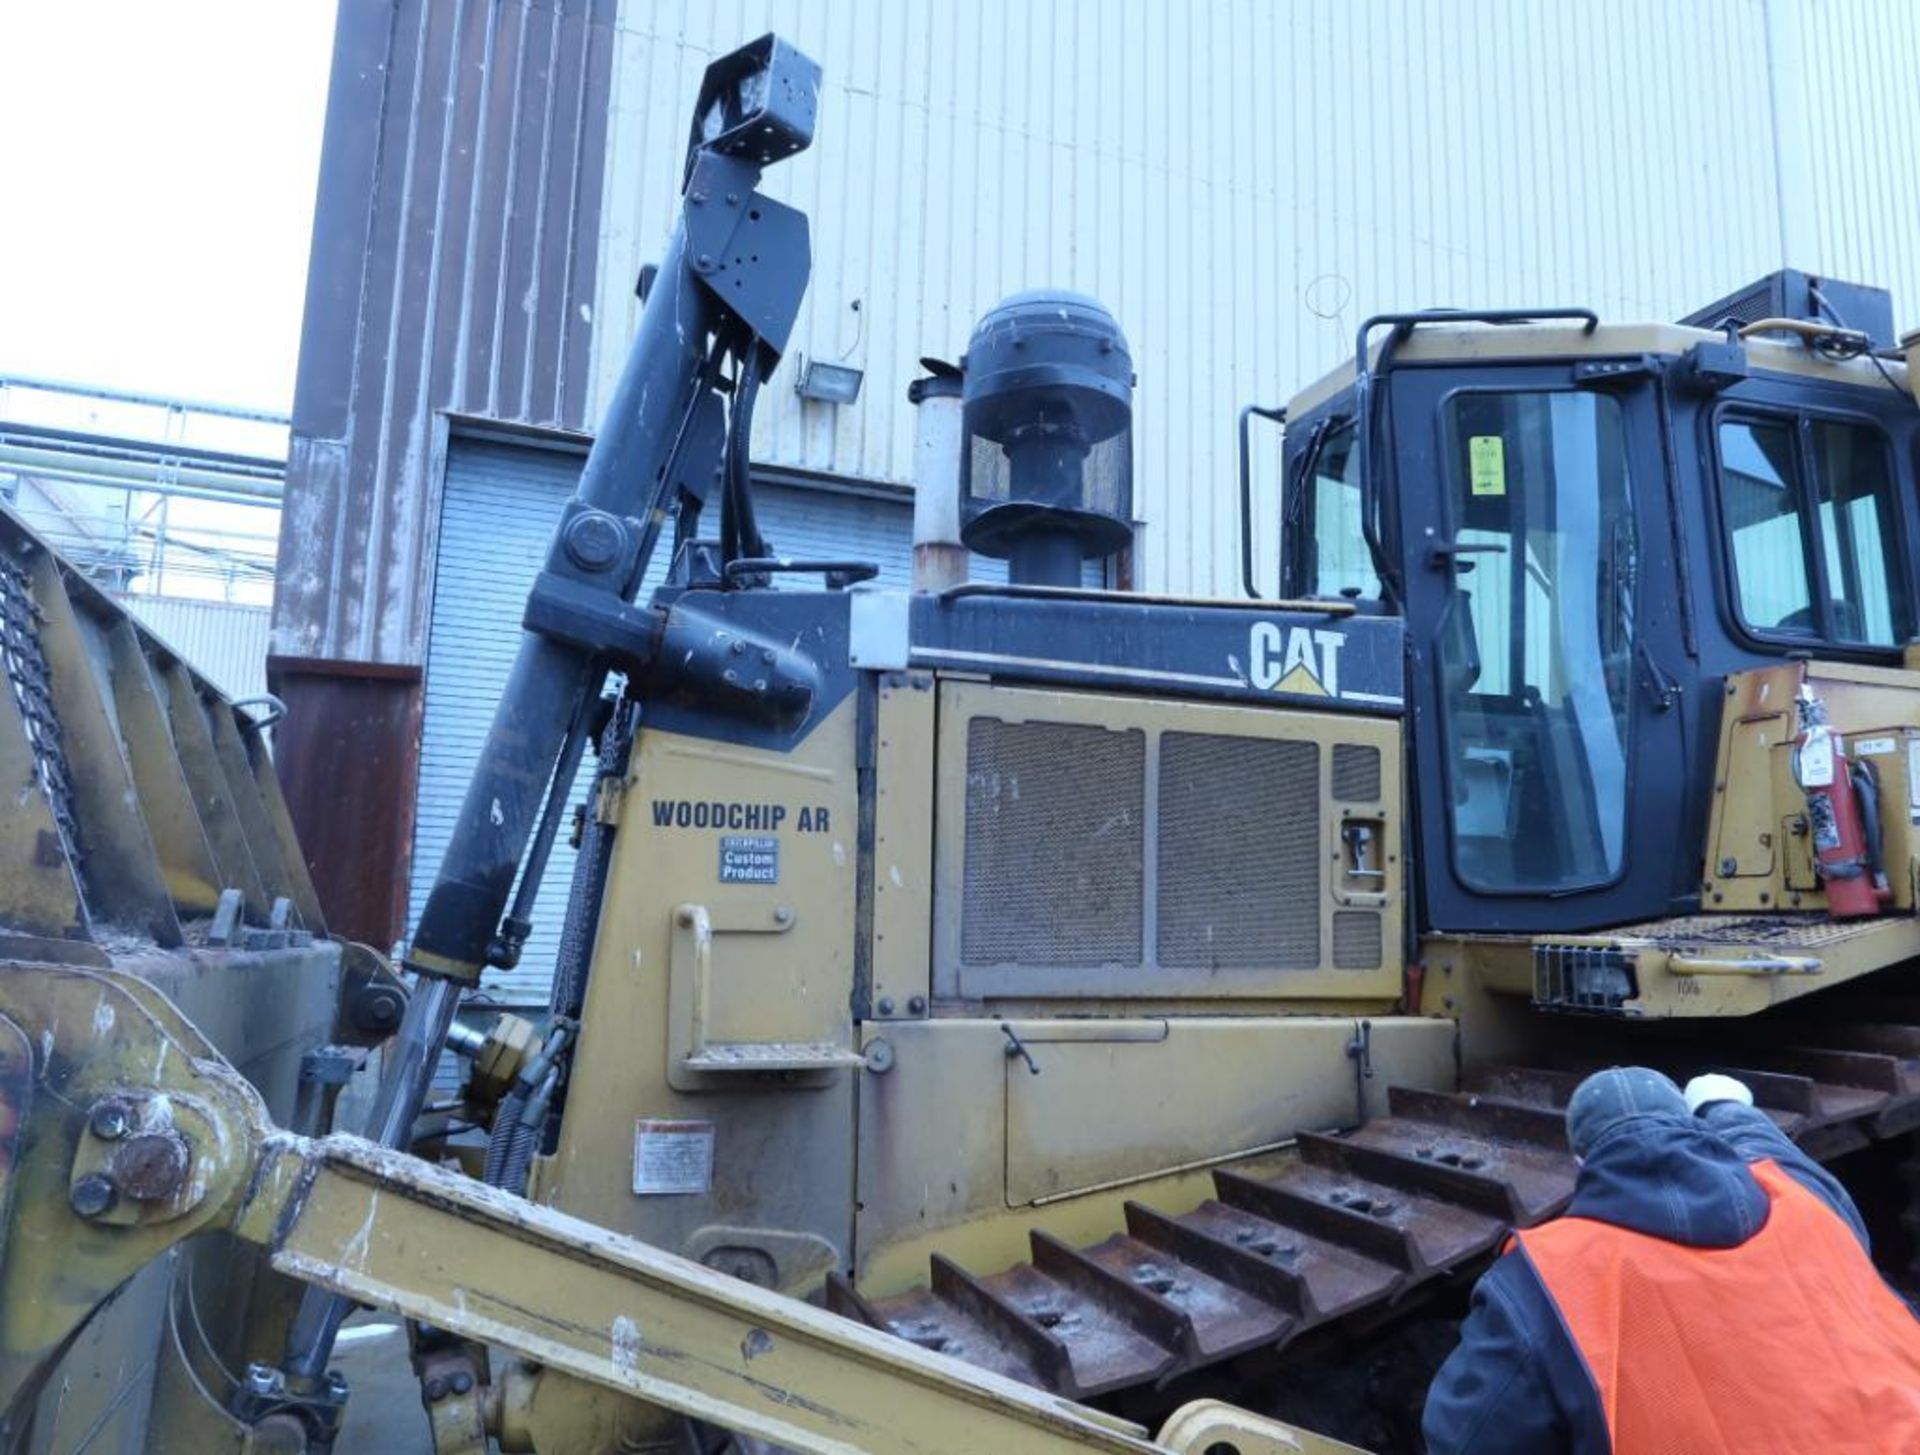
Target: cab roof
1478,343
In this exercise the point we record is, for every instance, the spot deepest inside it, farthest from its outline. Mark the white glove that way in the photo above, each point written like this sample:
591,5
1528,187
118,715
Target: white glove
1715,1087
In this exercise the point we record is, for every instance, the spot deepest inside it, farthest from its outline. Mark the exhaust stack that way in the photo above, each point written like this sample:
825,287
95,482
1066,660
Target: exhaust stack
939,557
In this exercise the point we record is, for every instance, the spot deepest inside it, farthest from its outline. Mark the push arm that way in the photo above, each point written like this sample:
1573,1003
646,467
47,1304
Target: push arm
122,1133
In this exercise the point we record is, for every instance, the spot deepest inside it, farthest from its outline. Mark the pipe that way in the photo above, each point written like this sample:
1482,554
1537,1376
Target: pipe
940,560
130,396
67,464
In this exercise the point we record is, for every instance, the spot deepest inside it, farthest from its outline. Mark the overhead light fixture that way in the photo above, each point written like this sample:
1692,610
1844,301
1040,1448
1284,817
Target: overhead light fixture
828,383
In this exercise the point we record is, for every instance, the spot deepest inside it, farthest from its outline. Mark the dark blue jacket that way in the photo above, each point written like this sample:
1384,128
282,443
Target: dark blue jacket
1516,1384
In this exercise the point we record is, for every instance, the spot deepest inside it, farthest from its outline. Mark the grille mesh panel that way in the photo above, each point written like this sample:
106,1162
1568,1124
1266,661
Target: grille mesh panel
1356,940
1356,773
1056,844
1239,852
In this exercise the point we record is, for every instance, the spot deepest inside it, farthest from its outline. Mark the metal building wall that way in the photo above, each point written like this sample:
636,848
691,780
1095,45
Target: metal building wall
1242,182
226,643
453,269
450,271
1849,140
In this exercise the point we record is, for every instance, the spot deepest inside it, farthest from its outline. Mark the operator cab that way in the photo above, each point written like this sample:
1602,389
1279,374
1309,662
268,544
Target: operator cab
1586,528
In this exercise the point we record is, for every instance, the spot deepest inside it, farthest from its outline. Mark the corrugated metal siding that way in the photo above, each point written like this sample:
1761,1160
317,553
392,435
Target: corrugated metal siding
1849,136
501,504
226,644
453,268
1243,182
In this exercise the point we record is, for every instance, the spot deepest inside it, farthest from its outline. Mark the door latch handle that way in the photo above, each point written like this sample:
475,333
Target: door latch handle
1444,554
1017,1049
1358,838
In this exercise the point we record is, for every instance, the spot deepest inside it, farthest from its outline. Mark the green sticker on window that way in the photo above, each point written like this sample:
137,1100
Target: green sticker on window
1487,464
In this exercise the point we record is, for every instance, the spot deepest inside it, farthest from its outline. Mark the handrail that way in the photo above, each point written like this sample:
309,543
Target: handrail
1279,417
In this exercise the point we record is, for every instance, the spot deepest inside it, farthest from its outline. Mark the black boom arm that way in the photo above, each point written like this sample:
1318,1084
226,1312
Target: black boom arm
713,323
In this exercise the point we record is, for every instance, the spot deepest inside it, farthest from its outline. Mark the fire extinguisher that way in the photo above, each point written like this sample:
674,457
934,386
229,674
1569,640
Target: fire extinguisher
1843,812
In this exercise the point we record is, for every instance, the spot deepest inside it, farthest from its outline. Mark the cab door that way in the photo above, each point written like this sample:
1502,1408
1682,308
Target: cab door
1546,668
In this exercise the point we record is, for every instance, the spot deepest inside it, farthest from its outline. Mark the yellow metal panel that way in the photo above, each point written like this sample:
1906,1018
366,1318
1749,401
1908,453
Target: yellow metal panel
179,838
903,847
1117,1105
279,823
122,873
781,1137
1339,890
193,741
262,842
1763,853
1744,846
38,892
957,1131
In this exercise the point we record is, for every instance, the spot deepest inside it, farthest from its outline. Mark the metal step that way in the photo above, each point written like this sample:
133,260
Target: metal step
1359,1220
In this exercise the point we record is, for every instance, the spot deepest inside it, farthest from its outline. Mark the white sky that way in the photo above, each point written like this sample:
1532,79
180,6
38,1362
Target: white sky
160,158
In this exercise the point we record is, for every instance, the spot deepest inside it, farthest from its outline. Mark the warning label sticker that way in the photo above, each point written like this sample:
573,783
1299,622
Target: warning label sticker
671,1157
749,859
1487,464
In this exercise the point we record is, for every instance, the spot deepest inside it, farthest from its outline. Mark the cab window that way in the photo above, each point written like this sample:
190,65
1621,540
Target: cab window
1335,560
1536,638
1811,531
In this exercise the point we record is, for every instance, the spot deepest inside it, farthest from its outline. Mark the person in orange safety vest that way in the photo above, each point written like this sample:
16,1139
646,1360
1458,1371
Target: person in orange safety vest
1709,1290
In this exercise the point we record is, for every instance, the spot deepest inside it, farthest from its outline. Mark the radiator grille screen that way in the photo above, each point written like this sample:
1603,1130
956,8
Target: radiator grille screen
1056,844
1239,852
1356,940
1356,773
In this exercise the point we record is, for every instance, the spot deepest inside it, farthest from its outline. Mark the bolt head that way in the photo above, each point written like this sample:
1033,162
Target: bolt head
886,1005
436,1390
264,1379
378,1009
917,1005
595,540
152,1166
92,1195
461,1383
110,1120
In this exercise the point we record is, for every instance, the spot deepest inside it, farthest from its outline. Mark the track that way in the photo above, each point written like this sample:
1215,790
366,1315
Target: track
1364,1219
